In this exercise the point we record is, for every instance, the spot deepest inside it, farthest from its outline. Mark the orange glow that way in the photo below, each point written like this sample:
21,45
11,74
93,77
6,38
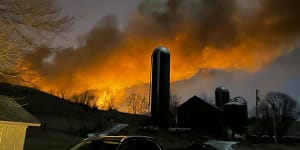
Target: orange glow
213,35
130,65
109,98
127,63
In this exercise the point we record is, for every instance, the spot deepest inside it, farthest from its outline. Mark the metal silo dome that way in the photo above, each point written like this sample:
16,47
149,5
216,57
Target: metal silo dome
161,49
221,96
236,114
239,100
222,88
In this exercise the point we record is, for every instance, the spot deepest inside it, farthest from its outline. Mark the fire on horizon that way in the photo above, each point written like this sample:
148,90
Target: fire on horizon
236,35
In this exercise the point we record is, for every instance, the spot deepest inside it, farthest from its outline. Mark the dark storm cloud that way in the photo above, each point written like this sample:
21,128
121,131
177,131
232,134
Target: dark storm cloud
281,75
215,23
219,23
270,24
97,47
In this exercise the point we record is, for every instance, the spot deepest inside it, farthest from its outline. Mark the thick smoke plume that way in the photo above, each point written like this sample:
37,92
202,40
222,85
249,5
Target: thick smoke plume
228,35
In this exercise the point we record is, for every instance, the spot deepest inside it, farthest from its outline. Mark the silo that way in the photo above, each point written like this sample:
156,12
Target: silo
221,96
160,87
236,114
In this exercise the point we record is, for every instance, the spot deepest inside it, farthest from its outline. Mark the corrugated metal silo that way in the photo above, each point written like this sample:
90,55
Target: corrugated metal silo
236,114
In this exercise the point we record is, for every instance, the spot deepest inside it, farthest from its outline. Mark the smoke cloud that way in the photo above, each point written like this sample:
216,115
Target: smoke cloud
281,75
234,36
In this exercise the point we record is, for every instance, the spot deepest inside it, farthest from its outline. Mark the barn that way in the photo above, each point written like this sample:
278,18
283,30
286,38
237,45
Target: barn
14,120
198,114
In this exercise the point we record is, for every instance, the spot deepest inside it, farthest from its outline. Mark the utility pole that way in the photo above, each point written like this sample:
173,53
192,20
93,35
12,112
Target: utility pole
257,114
256,103
274,125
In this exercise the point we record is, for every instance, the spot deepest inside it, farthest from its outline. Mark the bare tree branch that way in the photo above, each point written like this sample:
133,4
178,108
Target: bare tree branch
174,104
206,98
136,103
87,98
279,108
22,23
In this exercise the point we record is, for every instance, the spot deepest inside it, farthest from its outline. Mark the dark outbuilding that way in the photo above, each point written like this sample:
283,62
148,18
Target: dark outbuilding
198,114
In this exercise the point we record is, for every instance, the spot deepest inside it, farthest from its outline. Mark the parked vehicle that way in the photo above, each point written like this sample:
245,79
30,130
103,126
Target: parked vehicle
118,143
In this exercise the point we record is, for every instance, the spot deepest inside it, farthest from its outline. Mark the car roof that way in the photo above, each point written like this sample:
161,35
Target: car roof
117,139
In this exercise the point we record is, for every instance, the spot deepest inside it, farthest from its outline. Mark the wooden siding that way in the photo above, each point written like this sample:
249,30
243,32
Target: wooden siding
12,136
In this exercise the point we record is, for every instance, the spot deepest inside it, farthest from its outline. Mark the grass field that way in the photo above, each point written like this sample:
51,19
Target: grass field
39,140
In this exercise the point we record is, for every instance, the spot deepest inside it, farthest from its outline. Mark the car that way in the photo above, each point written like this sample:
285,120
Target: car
118,143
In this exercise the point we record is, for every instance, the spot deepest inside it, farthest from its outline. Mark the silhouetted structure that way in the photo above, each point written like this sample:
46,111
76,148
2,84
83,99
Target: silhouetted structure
221,96
198,114
236,115
160,87
214,119
14,120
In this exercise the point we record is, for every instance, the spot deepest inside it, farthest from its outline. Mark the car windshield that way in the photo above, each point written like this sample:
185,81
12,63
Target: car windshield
95,145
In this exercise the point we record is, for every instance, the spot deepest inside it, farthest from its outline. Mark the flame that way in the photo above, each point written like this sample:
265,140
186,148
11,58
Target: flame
129,65
197,37
109,98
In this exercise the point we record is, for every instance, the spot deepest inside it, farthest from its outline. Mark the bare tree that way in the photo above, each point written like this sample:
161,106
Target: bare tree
86,98
75,98
206,98
136,103
109,98
277,112
23,24
9,58
20,16
112,102
174,103
63,94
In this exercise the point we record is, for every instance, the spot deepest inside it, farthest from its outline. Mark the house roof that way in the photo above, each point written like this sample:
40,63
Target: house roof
194,100
13,113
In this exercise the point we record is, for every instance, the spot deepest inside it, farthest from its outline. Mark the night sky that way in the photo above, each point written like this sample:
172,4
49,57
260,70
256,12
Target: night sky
280,74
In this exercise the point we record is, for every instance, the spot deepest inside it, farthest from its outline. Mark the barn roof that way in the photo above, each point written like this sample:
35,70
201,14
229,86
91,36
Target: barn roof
13,113
195,100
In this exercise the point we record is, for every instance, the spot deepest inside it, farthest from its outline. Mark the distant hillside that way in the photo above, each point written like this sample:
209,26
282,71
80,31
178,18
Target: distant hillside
58,114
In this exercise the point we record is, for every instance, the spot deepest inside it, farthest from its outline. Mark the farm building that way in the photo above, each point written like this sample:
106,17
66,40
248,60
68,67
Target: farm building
215,119
14,121
198,114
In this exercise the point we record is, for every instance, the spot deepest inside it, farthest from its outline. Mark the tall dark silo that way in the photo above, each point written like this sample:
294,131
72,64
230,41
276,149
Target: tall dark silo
221,96
160,87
